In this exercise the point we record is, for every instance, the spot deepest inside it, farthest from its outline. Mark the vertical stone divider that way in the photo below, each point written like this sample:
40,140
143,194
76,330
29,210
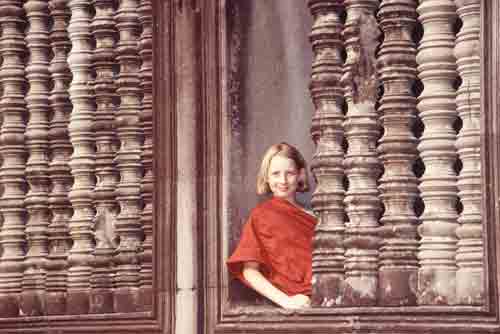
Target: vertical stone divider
37,165
128,193
104,60
327,133
470,284
59,170
438,185
398,148
81,130
361,163
13,153
147,184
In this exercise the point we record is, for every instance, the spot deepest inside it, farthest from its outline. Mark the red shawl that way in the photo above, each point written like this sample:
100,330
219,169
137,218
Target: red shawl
278,236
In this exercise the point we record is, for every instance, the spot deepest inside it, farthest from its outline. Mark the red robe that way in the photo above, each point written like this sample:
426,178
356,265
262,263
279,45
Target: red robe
278,236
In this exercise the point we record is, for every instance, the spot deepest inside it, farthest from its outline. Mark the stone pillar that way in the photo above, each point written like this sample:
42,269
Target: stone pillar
438,185
398,148
470,283
187,168
104,63
327,133
361,163
83,159
37,143
129,132
12,151
147,183
59,170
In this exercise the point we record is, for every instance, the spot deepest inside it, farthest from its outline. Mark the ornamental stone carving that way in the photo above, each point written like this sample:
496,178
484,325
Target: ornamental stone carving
81,130
327,133
438,185
59,170
104,63
129,132
469,257
13,153
147,183
398,152
37,166
361,163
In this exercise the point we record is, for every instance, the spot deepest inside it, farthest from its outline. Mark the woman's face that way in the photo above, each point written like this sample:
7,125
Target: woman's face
283,177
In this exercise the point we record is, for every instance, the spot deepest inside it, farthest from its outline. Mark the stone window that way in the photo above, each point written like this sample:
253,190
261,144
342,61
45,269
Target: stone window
401,132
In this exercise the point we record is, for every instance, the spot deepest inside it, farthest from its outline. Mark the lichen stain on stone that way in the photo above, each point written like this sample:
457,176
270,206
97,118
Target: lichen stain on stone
360,79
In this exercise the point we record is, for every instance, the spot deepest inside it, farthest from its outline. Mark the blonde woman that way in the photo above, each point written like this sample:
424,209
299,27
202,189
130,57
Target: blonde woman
273,256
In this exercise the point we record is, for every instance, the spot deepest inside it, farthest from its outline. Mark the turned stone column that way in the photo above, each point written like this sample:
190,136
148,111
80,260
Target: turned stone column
147,183
327,133
104,61
37,143
398,149
470,284
81,130
361,162
59,170
129,132
438,186
12,151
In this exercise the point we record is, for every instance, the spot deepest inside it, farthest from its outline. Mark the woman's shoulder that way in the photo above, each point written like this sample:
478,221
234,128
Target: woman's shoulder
278,206
262,208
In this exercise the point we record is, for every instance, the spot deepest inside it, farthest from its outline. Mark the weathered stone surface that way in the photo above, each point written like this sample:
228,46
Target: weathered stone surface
470,283
147,183
327,132
398,148
59,170
83,159
129,132
37,144
361,163
438,185
12,151
104,62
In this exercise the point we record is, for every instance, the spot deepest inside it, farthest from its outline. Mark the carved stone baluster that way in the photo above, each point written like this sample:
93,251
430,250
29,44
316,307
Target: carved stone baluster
146,73
361,163
103,27
327,133
398,147
59,170
37,142
12,150
83,158
128,192
438,187
470,284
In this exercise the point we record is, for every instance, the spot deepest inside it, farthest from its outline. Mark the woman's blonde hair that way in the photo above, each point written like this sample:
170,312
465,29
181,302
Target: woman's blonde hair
287,151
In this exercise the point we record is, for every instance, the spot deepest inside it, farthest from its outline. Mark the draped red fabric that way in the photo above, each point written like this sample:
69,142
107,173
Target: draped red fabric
277,235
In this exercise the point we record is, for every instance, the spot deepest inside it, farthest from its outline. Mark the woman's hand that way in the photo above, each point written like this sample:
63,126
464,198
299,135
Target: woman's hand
297,301
262,285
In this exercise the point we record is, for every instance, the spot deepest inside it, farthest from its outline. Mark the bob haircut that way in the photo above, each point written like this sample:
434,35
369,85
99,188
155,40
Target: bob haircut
287,151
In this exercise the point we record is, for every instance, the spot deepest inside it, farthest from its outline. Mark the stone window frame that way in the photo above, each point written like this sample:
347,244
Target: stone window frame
222,317
160,319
